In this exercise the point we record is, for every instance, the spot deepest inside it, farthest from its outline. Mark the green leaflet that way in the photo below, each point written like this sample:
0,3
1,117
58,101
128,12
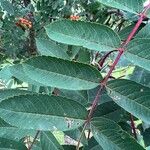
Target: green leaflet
6,144
141,76
79,96
109,110
111,137
50,48
48,141
131,96
7,6
54,72
13,133
42,112
7,93
89,35
138,52
132,6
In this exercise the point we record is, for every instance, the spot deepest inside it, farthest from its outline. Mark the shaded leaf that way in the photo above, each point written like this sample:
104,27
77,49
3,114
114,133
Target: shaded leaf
70,147
14,133
5,73
6,144
146,137
92,93
144,33
50,48
131,96
93,145
109,110
79,96
126,31
48,141
111,137
141,76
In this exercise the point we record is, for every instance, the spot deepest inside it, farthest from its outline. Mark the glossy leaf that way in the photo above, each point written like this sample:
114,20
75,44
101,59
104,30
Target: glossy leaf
146,136
132,6
61,73
111,137
89,35
131,96
42,112
5,73
48,141
50,48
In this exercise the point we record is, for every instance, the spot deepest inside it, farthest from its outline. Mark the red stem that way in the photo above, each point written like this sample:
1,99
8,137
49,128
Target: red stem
121,51
102,60
133,126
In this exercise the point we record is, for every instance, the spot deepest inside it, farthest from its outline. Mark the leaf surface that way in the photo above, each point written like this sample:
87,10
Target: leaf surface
48,141
133,97
111,137
50,48
61,73
138,52
89,35
42,112
6,144
132,6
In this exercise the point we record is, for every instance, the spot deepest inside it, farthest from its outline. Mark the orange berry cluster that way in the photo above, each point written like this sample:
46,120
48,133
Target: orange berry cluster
75,18
24,23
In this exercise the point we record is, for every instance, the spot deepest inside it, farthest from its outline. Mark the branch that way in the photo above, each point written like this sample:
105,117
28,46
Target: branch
104,82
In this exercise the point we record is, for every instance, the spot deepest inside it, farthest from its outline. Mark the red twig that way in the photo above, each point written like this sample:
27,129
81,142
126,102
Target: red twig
120,52
102,60
133,126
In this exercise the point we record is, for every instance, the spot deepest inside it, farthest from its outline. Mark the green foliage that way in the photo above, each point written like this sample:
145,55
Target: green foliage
89,35
62,71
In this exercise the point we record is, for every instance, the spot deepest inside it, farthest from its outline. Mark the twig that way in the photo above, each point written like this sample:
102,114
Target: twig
133,126
104,82
36,136
102,60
